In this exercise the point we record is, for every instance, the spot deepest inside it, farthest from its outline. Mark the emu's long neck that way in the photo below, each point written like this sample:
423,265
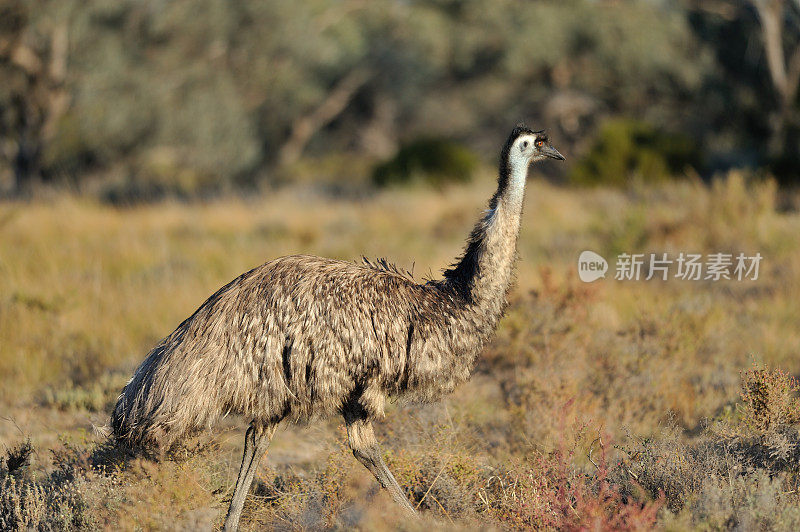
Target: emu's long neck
484,273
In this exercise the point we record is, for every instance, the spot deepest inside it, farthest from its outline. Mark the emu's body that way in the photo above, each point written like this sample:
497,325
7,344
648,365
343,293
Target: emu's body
303,336
300,336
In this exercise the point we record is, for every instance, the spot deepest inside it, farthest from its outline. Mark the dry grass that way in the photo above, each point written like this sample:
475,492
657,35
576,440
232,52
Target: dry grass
654,368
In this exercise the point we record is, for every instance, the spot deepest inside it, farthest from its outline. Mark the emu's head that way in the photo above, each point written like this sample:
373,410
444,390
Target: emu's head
522,148
525,146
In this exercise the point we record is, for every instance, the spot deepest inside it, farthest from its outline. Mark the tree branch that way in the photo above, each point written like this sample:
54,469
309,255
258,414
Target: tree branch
793,75
58,97
305,127
769,12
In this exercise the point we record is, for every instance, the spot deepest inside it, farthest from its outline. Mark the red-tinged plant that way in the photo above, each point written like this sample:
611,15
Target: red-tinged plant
549,493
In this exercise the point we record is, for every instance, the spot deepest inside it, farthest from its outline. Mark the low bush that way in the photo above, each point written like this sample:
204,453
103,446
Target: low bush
627,149
770,399
55,502
429,160
97,395
741,472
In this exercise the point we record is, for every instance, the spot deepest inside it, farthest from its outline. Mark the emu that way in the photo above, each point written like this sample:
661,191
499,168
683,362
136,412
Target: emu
304,336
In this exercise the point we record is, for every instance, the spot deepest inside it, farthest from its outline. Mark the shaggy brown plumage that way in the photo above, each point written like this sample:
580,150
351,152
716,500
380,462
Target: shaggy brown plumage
304,336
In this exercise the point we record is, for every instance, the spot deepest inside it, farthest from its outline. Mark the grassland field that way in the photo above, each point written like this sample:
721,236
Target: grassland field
609,405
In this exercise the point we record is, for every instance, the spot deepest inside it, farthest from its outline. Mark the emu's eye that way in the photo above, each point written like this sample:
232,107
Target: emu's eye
539,143
524,144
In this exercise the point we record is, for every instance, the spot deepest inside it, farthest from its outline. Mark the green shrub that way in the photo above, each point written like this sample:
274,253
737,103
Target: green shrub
629,149
430,160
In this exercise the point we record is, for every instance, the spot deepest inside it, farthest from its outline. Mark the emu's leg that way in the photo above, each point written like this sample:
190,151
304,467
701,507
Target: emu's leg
256,441
365,447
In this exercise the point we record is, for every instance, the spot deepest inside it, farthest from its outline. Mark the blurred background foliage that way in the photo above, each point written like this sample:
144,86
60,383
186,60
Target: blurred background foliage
145,98
434,160
625,149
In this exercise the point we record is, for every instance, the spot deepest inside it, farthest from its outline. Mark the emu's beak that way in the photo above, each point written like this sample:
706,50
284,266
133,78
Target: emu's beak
551,152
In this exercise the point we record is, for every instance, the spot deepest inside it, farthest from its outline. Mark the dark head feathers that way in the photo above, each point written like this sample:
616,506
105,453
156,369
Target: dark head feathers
522,129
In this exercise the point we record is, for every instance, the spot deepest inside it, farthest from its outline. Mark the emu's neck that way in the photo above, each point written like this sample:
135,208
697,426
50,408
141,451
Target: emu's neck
484,273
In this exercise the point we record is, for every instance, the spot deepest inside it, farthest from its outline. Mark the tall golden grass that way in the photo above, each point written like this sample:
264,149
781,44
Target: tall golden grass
87,289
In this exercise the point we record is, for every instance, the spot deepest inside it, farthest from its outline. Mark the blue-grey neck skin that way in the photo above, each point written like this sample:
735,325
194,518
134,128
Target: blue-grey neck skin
484,272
